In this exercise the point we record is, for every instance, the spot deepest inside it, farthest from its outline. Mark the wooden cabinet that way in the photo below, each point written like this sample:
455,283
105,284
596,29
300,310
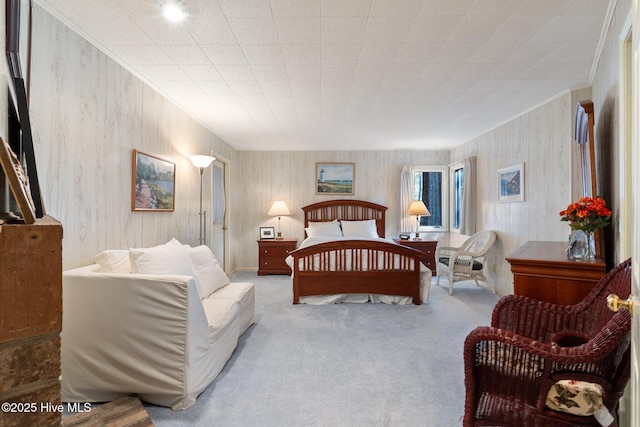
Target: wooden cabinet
541,270
271,255
428,247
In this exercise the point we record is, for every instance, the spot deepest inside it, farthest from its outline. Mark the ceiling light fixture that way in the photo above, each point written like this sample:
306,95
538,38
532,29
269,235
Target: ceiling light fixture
174,10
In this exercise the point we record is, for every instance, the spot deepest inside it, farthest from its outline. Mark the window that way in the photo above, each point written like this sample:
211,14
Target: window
457,187
430,186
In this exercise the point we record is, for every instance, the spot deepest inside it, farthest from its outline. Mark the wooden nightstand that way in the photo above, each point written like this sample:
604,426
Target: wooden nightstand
271,255
428,247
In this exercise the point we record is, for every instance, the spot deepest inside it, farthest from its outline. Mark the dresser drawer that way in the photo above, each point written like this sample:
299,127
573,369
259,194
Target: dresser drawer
275,251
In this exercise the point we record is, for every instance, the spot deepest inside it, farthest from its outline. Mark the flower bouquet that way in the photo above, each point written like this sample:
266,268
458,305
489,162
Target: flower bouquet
588,215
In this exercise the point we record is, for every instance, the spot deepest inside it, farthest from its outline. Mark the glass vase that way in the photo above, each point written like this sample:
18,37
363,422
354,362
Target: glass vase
589,254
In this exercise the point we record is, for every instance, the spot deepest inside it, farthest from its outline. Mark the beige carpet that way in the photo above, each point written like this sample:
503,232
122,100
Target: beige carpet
124,412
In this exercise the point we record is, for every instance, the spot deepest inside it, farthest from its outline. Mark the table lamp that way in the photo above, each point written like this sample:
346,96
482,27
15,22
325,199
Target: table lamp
278,209
418,209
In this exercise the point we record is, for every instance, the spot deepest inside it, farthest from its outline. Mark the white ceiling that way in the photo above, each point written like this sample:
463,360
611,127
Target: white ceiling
349,74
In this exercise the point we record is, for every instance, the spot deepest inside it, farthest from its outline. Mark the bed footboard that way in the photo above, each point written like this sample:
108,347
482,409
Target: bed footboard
356,266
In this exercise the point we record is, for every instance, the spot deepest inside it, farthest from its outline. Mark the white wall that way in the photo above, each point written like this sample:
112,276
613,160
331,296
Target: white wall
88,114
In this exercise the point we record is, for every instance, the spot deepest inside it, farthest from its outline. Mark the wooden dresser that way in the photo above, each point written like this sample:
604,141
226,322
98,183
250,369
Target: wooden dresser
541,270
272,253
427,247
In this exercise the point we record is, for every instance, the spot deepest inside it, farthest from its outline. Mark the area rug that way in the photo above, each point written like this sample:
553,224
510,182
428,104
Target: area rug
123,412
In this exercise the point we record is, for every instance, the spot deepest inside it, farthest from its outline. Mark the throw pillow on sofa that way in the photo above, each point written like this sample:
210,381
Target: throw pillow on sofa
212,276
170,258
114,261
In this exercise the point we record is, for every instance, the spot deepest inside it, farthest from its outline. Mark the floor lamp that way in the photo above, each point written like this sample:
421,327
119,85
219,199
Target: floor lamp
202,162
418,208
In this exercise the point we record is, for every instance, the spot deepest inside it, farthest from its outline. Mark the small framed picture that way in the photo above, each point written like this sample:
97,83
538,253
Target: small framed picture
511,183
267,232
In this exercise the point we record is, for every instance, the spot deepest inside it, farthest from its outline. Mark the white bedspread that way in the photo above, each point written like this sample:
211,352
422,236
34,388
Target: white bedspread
425,280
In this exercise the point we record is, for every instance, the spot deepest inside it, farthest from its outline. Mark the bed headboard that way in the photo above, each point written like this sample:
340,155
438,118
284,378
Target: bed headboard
349,210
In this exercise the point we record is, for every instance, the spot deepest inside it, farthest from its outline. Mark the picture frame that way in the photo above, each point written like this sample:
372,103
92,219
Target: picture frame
335,178
267,233
18,182
511,183
153,183
18,54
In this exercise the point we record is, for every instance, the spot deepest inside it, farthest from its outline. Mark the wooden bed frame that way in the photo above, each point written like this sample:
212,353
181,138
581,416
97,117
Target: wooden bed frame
396,268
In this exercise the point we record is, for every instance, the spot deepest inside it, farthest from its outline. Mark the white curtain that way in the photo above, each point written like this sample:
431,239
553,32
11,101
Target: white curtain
468,205
406,197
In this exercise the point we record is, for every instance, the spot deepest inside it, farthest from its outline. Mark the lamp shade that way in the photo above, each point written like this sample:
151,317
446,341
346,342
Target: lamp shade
418,208
201,161
278,208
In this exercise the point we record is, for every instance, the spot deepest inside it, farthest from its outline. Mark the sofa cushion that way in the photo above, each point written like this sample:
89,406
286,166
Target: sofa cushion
212,276
114,261
222,316
244,293
170,258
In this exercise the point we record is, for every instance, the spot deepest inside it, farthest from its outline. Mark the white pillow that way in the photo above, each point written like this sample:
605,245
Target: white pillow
366,228
324,229
170,258
212,276
114,261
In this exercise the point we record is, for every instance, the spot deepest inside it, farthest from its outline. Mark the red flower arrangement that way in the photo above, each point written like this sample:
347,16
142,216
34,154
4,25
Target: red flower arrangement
587,214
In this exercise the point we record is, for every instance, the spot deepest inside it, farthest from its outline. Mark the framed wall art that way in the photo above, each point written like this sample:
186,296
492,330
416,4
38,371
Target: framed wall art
335,178
153,183
511,184
18,182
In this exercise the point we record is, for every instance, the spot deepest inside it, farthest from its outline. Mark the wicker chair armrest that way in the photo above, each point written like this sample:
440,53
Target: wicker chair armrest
445,250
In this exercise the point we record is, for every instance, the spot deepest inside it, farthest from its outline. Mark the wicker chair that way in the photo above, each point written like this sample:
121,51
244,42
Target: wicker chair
511,366
466,262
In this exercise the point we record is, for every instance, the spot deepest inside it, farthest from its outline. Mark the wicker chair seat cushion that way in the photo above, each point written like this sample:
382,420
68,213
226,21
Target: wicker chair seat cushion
476,264
509,361
578,398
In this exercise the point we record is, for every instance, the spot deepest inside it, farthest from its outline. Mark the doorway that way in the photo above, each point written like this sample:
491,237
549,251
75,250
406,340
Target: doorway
219,200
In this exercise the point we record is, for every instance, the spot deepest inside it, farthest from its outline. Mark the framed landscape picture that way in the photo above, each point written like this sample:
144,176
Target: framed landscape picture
335,178
153,183
511,184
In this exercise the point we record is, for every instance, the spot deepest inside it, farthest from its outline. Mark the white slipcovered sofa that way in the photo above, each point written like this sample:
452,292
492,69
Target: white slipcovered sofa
156,322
